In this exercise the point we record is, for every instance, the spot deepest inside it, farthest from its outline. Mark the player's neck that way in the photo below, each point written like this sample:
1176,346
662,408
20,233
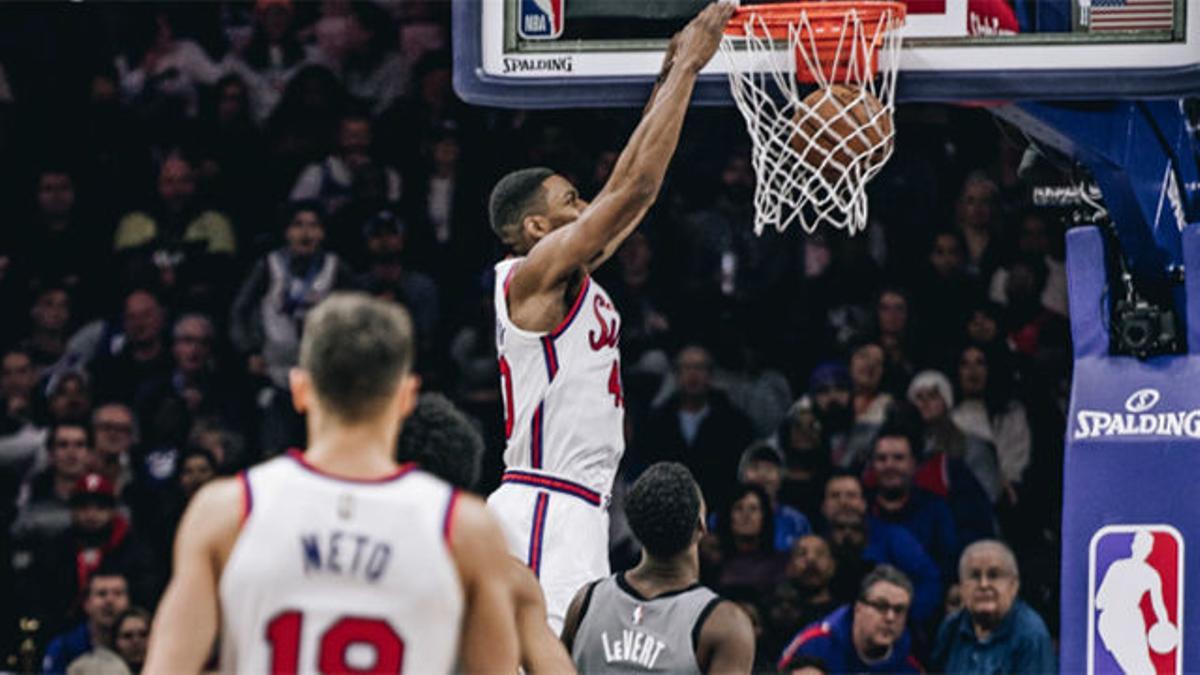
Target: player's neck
351,450
655,576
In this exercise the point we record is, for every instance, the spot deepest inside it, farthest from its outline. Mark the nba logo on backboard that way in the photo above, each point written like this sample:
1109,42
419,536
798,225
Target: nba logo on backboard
1135,600
540,19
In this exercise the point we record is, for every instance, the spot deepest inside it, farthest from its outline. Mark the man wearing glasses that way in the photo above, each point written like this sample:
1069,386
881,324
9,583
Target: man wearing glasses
994,632
866,637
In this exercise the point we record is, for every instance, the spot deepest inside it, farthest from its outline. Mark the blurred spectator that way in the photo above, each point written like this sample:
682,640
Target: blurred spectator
56,579
860,542
57,244
114,434
49,327
746,530
868,636
805,596
644,323
273,56
760,392
870,404
995,632
806,459
699,428
829,387
18,381
168,404
987,410
762,465
166,80
141,357
197,466
977,217
177,243
945,292
1037,237
331,181
894,333
304,126
386,235
231,151
1035,332
68,397
268,314
930,392
43,505
131,634
107,597
898,501
371,67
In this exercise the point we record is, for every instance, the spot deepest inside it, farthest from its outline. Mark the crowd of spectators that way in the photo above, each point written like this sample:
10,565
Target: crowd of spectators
183,182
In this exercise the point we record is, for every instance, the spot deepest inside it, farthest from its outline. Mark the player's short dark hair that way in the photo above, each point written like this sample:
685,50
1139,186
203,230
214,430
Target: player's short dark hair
356,348
514,196
663,508
443,440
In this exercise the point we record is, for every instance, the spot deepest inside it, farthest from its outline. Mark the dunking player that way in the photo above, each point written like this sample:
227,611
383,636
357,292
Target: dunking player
657,617
338,559
557,334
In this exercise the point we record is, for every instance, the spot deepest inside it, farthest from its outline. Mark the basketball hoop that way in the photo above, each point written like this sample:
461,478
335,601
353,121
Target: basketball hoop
815,149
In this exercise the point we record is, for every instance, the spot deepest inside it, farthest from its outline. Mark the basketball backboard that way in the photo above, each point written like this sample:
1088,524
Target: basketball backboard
574,53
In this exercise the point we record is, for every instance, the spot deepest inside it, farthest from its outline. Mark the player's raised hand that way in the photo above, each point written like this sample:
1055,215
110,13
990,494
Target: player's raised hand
698,40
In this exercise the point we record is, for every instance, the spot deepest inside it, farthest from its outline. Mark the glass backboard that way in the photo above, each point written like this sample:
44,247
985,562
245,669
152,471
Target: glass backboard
574,53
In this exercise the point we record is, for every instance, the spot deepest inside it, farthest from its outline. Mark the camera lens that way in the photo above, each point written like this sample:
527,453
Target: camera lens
1136,334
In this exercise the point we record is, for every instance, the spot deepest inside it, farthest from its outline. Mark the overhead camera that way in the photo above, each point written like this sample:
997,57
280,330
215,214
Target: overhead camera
1141,329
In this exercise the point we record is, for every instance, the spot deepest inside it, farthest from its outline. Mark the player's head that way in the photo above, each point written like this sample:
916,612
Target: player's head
442,439
355,361
528,204
665,510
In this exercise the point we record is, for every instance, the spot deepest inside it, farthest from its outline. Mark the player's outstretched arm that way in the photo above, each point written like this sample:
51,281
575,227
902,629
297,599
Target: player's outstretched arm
637,175
185,625
489,634
726,642
541,651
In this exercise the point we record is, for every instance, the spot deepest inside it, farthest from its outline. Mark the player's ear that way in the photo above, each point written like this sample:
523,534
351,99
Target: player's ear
535,227
407,393
301,386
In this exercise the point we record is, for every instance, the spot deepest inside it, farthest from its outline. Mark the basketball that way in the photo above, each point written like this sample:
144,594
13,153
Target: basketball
849,112
1163,637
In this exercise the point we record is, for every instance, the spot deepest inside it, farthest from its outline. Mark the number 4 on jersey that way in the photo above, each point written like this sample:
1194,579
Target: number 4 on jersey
614,385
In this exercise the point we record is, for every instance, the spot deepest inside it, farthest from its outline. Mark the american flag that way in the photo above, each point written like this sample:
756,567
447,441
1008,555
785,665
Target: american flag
1139,15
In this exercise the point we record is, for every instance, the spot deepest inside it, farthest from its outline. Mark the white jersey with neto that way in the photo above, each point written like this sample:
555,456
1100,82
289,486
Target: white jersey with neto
563,403
331,575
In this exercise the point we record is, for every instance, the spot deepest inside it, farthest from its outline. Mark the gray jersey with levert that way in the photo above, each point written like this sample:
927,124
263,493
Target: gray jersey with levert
621,631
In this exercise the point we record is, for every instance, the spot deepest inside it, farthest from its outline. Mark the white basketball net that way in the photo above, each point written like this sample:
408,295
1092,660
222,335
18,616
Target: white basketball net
798,178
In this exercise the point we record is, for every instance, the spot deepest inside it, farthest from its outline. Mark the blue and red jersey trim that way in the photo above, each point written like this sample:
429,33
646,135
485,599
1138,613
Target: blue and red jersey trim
550,483
400,471
551,355
448,519
538,532
535,438
247,495
570,317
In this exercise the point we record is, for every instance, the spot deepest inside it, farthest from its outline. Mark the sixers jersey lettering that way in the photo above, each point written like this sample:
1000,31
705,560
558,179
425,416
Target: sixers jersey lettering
333,575
564,406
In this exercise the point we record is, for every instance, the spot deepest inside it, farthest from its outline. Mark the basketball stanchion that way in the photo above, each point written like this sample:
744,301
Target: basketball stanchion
819,114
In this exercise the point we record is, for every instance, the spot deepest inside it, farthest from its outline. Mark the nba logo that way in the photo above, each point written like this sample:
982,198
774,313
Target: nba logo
540,19
1135,600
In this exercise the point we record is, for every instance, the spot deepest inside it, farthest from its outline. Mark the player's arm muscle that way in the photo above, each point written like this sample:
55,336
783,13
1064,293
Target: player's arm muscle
489,635
541,652
636,176
185,625
726,642
575,616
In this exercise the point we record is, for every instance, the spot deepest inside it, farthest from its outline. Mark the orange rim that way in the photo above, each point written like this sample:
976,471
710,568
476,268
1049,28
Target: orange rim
823,33
826,18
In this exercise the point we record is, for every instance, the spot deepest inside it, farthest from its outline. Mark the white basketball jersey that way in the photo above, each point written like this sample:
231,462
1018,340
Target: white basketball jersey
334,575
564,407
